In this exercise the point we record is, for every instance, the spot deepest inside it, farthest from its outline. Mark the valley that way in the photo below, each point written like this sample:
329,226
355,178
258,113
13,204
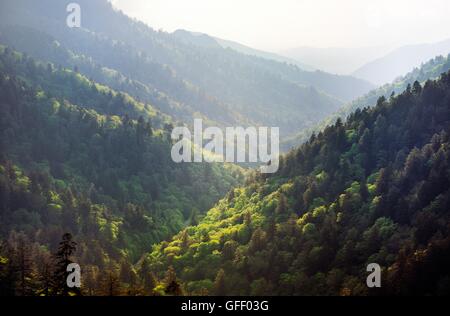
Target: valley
183,164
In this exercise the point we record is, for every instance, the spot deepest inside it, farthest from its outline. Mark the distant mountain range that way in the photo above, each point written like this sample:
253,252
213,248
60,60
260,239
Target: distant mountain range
398,62
339,60
379,65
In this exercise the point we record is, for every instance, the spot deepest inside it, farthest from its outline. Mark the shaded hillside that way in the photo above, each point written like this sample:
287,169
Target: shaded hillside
202,39
224,86
79,157
428,71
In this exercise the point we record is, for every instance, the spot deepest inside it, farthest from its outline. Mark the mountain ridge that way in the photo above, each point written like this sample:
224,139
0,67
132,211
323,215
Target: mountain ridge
432,69
375,189
389,67
240,88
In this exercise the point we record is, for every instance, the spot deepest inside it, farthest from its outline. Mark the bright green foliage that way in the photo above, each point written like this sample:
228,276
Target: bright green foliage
81,158
373,190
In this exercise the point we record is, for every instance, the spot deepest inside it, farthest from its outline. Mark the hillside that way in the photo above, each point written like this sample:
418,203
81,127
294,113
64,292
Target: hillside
428,71
82,158
221,85
88,171
204,39
372,190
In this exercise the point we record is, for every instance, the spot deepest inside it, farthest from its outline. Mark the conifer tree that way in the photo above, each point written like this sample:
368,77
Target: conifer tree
63,257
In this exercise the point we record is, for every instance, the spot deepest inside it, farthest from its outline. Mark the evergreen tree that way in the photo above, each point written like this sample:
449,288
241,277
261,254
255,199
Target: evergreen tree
62,258
219,284
173,287
148,278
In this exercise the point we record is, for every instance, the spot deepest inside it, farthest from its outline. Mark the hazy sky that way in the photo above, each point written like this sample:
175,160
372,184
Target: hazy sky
276,25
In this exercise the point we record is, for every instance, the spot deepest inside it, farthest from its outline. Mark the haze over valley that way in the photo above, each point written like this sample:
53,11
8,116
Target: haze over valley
97,97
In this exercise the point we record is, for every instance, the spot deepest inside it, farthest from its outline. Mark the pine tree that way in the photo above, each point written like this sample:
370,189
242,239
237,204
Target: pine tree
20,264
147,277
128,277
67,248
173,286
258,241
111,283
363,191
45,272
417,88
185,240
7,275
282,205
193,218
219,284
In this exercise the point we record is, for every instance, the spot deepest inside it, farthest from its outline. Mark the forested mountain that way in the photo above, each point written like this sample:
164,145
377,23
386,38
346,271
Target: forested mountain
205,39
79,157
372,190
44,47
428,71
86,173
222,85
388,68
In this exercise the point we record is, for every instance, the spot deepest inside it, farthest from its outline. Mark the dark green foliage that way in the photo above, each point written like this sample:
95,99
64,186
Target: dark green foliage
99,169
179,77
77,156
375,189
63,257
430,70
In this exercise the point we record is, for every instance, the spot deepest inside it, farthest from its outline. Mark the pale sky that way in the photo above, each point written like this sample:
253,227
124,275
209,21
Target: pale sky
276,25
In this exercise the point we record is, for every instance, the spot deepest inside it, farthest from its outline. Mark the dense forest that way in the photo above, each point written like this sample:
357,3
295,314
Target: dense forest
375,189
86,176
221,85
429,70
79,157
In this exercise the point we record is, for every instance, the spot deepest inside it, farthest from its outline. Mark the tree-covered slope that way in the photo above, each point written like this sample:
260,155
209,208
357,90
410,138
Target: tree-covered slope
428,71
224,86
45,47
79,157
372,190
